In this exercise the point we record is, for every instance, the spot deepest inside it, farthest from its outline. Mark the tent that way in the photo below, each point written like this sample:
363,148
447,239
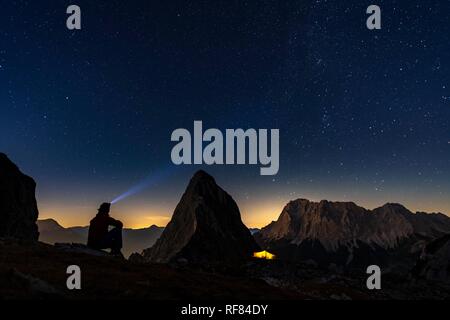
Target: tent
264,255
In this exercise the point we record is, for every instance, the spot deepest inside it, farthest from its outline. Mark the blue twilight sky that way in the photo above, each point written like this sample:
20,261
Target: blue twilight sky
364,116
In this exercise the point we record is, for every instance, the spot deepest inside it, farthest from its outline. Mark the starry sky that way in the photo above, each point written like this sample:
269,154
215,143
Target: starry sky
364,115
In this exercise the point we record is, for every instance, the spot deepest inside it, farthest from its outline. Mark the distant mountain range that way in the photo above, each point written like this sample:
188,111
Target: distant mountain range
345,234
134,240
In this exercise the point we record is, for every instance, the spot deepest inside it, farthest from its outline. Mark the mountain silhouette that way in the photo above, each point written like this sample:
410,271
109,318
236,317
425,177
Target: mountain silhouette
18,207
206,227
50,231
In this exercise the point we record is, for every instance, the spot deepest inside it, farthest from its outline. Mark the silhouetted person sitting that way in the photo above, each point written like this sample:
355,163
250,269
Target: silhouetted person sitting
100,237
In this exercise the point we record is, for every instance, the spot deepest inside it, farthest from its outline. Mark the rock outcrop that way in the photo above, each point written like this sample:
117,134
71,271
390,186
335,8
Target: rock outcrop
206,227
434,262
18,207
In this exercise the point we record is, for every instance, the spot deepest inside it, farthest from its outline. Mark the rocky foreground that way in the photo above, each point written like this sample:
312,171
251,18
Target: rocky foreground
39,271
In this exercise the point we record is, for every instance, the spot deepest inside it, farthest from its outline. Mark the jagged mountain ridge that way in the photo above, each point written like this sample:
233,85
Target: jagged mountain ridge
306,229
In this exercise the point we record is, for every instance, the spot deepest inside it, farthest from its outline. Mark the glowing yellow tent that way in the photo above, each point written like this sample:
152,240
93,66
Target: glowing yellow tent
264,255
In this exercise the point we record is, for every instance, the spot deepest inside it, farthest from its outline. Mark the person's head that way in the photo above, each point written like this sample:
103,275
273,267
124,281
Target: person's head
104,208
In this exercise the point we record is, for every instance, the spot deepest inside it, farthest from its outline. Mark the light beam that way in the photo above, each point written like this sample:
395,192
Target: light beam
145,183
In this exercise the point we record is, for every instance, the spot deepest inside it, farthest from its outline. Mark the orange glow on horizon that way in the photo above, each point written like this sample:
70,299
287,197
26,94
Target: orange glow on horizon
133,217
257,213
142,218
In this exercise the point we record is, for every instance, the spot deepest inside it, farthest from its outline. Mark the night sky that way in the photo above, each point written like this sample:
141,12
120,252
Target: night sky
364,115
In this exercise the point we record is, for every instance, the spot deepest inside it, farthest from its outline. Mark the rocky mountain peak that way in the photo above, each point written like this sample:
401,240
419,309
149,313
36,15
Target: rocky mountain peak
393,209
206,227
